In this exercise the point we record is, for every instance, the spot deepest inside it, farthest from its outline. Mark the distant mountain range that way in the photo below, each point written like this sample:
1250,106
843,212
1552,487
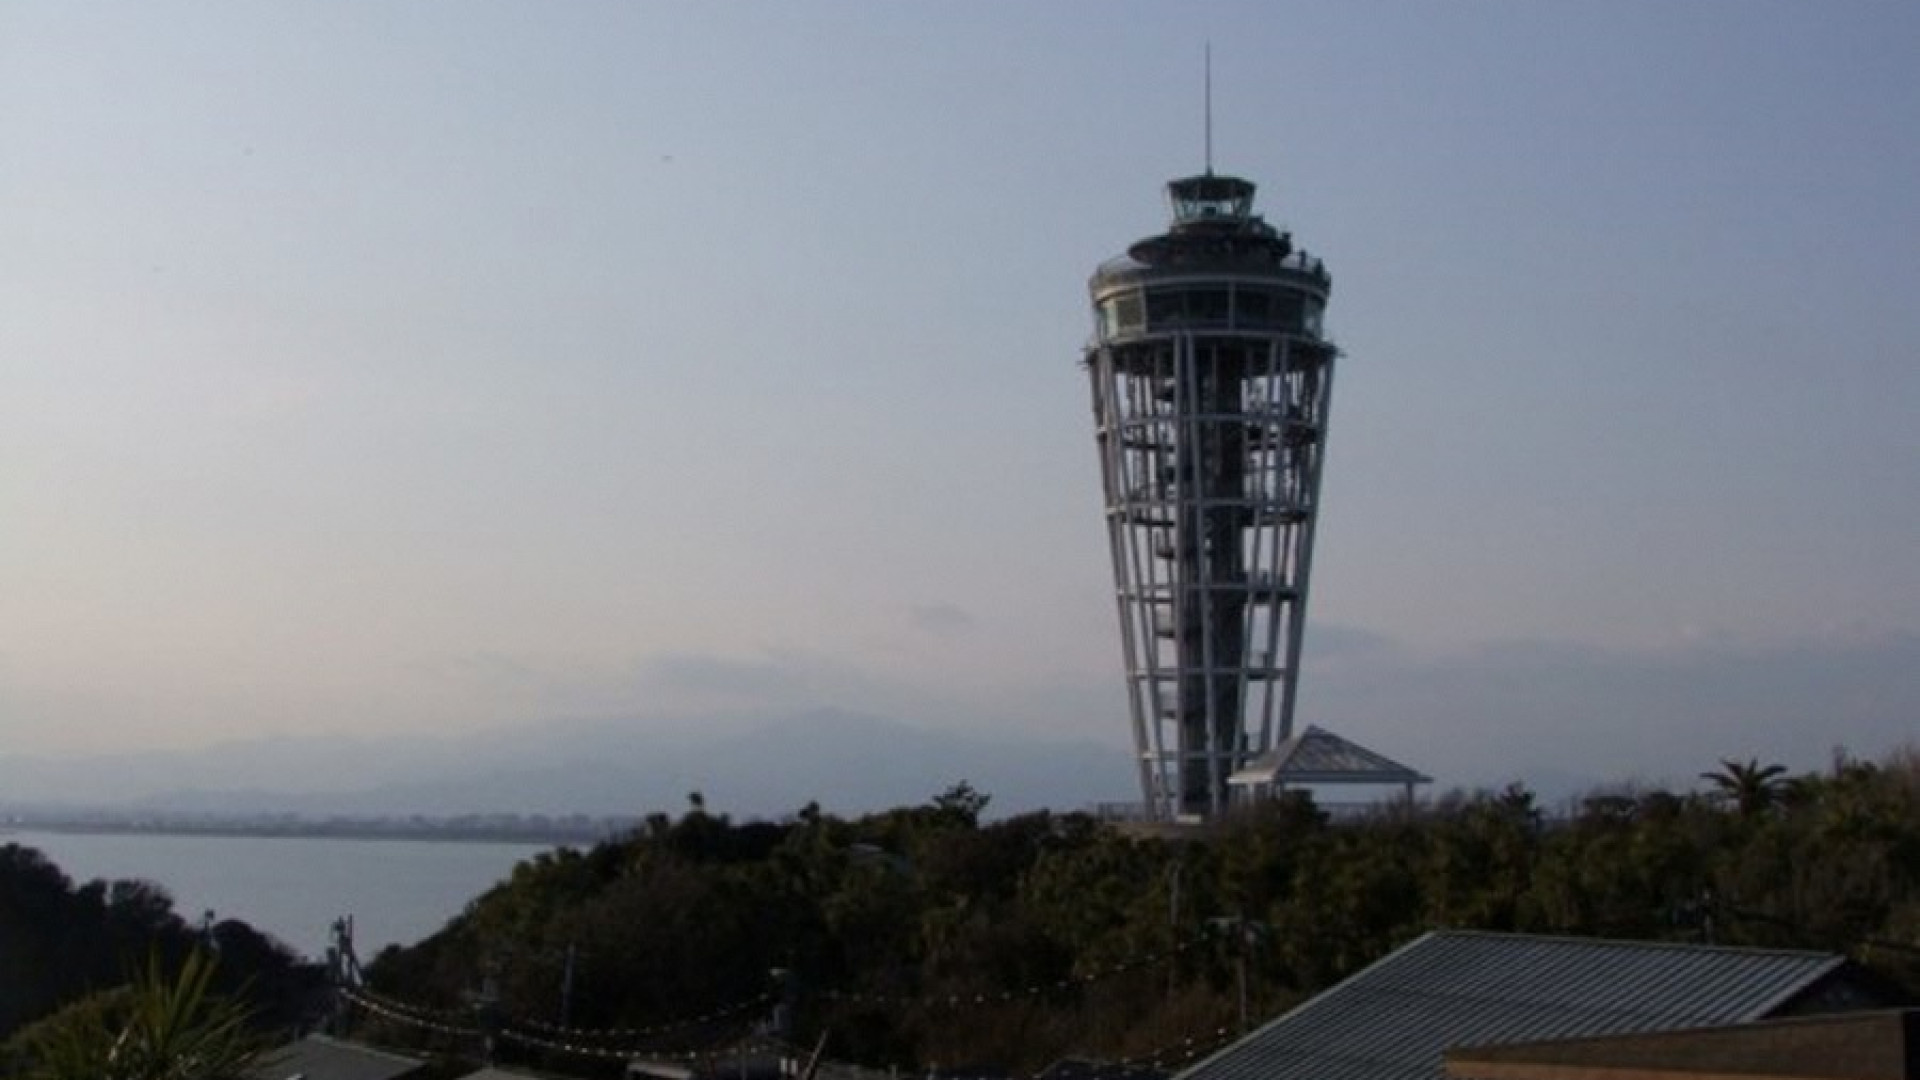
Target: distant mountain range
747,767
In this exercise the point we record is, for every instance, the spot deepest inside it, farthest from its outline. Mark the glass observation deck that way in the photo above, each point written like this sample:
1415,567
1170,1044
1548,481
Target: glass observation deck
1210,198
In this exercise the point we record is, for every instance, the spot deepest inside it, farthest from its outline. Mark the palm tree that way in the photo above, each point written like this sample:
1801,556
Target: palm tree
154,1028
1751,787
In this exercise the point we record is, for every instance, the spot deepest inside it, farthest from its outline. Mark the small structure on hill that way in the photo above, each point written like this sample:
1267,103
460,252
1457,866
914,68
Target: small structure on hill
1317,756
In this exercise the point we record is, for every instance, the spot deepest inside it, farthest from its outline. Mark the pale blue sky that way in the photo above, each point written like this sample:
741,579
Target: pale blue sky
442,366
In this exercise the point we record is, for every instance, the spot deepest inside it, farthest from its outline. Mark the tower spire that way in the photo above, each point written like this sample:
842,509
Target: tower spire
1209,107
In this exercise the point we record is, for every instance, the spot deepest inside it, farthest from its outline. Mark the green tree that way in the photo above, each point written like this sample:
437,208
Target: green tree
1752,788
912,930
155,1028
60,942
961,803
1479,855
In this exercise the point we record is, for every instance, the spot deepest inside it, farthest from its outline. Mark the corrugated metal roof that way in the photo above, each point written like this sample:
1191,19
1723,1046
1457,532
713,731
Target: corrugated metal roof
1393,1020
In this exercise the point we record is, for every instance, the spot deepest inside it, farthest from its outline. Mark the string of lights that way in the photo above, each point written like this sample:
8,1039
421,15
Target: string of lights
612,1053
762,1001
625,1043
725,1012
447,1016
400,1013
423,1018
1021,993
1188,1049
1185,1050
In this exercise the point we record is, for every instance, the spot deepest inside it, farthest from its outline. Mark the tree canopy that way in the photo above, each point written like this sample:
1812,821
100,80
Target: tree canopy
157,1027
61,942
924,935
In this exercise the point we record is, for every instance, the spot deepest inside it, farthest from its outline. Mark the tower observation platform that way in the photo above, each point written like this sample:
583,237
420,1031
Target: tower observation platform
1211,377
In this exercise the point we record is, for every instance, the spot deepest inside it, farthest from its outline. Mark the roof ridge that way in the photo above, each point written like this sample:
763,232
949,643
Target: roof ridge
1646,943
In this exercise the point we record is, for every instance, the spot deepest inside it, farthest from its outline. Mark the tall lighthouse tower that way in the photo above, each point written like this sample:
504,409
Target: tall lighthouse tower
1211,379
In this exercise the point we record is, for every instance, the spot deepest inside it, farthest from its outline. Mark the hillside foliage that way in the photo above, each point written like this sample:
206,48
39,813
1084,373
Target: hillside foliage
924,936
62,944
159,1026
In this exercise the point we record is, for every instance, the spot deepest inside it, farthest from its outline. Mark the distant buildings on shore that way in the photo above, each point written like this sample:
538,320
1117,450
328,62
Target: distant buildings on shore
500,827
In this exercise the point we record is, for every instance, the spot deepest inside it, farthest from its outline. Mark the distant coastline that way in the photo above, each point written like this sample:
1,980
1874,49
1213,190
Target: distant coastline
479,828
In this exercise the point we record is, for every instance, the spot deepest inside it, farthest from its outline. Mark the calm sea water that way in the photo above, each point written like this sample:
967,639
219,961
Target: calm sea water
398,891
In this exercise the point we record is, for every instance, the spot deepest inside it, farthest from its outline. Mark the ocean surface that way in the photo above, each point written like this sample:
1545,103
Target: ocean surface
293,888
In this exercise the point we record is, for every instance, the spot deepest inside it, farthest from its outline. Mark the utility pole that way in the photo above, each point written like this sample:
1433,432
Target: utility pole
1244,931
1173,923
1242,966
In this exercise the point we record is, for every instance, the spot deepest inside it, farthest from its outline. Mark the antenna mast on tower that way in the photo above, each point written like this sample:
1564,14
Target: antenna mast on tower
1209,107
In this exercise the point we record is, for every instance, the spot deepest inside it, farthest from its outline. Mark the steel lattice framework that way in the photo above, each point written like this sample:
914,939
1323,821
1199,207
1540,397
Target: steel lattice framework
1211,381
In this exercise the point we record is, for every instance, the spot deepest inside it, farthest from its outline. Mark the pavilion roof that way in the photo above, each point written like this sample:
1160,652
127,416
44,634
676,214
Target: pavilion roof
1318,756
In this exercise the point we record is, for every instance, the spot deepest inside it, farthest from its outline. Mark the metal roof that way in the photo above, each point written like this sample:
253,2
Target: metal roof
1318,756
318,1057
1393,1020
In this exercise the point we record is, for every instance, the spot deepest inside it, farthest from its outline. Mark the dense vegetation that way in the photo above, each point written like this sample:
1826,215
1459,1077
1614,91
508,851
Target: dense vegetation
922,936
159,1026
77,947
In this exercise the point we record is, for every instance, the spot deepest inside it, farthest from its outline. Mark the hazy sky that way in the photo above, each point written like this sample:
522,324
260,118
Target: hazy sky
443,366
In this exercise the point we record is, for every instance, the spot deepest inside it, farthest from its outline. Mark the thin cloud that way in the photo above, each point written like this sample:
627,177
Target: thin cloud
713,674
940,619
1501,711
1339,642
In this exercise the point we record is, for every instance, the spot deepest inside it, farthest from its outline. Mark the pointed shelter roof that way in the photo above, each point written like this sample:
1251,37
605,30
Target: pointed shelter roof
1318,756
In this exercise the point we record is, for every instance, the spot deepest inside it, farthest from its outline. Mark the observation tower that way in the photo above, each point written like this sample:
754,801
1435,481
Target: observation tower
1211,379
